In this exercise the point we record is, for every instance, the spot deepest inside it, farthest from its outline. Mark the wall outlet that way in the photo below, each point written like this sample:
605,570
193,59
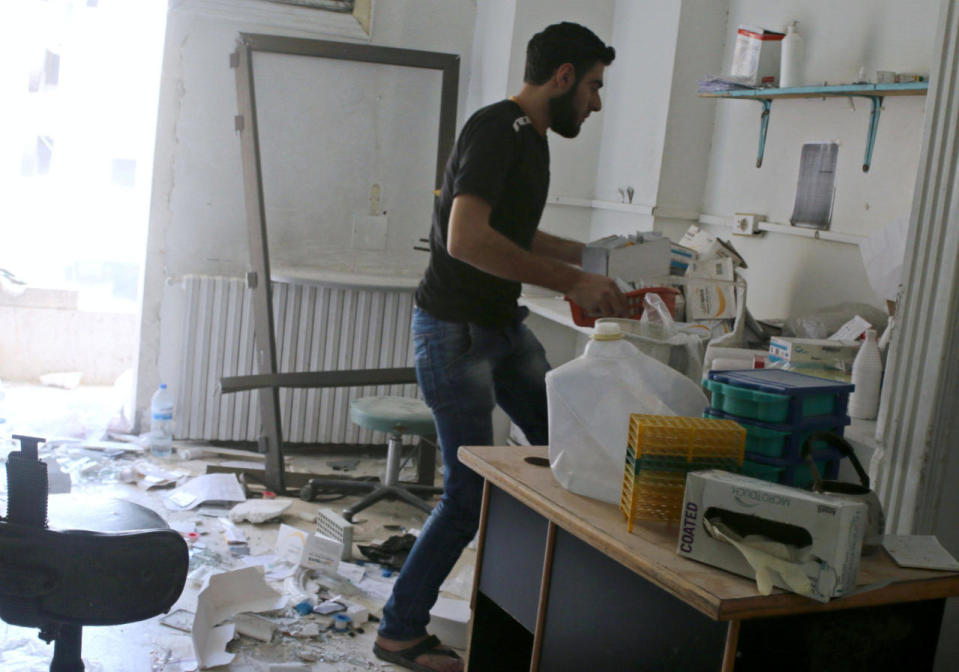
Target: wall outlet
747,223
369,232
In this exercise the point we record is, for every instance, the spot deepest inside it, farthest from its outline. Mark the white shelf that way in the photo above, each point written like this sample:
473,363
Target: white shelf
787,230
555,309
634,208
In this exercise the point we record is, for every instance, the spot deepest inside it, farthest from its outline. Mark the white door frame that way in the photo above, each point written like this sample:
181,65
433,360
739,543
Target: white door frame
918,475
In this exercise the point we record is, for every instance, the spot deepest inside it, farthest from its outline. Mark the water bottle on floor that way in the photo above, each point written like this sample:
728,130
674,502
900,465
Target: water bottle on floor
161,422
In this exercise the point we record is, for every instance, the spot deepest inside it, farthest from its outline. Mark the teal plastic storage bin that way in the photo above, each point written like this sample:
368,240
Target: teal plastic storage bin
777,396
784,441
797,474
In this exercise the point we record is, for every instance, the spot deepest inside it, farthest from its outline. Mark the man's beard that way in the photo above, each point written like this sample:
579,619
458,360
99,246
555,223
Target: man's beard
563,116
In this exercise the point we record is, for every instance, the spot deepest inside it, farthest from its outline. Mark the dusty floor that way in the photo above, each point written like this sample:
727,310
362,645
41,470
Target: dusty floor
151,646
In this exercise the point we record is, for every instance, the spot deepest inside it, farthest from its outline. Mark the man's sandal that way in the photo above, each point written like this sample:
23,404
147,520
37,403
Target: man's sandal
407,657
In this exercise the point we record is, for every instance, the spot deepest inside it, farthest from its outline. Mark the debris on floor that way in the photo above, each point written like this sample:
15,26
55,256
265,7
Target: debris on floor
230,532
392,552
259,510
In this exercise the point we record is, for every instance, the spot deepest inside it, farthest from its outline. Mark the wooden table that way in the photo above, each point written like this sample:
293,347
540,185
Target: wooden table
561,585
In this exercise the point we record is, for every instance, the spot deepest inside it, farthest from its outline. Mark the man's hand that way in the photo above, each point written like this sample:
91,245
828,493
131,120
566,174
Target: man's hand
598,295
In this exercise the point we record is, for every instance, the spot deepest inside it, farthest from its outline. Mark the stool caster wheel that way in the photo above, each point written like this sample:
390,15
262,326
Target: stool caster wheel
306,493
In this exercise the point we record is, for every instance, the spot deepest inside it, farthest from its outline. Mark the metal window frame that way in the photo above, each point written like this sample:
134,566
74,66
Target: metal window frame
269,380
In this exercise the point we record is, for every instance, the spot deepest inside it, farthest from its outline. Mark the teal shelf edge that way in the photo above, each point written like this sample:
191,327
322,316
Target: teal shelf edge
875,92
914,88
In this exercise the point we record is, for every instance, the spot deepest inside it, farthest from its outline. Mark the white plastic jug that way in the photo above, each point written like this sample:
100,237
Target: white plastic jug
590,399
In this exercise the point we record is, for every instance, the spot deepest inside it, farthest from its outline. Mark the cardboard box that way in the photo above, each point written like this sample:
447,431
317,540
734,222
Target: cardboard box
826,530
680,258
812,351
314,551
853,330
720,268
756,56
631,259
708,246
710,300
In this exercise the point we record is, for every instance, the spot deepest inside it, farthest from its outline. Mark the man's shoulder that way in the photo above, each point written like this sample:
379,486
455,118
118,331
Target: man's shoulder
504,113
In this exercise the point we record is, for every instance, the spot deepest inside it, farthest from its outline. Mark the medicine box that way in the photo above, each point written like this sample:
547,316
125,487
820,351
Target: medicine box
646,257
680,258
818,351
823,532
718,268
710,300
756,56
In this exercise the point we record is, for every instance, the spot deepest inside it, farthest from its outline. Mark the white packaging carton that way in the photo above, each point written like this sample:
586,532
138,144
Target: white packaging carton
710,300
719,268
708,246
824,352
646,256
756,56
826,531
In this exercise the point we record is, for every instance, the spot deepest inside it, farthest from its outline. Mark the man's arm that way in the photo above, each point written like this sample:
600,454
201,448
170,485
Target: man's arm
548,245
471,239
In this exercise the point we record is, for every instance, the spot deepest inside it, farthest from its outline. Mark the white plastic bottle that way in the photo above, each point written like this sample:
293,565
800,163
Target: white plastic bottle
161,422
867,377
589,401
791,60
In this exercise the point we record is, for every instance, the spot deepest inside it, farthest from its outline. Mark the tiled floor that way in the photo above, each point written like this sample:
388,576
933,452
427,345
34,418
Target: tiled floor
148,645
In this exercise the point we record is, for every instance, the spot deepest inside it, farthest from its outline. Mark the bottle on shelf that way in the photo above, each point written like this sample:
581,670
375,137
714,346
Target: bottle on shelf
791,60
161,422
867,377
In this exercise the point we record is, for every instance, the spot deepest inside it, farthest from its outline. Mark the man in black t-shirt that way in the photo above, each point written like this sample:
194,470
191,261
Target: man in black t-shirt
472,350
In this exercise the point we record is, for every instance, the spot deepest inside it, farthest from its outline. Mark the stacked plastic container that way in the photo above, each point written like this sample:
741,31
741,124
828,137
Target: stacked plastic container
779,409
661,449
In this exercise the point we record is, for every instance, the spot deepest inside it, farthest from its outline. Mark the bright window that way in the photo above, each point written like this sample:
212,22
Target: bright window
80,83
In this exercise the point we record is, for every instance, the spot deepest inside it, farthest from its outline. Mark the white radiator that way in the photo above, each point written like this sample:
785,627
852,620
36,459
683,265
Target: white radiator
317,329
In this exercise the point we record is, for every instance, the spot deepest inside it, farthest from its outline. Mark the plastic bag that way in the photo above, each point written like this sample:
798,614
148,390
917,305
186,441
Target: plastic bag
656,321
824,323
683,351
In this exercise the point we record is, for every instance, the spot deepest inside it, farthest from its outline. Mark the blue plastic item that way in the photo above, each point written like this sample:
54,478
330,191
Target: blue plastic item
304,608
784,441
778,396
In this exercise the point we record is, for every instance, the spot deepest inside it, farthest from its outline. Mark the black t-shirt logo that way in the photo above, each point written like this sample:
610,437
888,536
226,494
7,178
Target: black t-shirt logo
519,123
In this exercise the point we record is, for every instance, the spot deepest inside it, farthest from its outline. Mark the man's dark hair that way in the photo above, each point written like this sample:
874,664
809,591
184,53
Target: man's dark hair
564,43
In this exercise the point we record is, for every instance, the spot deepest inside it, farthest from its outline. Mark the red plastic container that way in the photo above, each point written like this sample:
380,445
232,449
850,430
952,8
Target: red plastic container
634,301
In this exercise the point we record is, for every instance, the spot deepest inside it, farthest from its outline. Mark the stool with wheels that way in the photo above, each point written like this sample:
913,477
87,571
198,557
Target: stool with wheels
397,417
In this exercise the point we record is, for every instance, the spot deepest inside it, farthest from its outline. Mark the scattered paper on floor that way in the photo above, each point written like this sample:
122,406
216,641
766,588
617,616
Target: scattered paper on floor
206,488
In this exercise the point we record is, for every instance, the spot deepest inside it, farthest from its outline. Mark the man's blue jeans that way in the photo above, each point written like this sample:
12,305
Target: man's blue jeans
463,371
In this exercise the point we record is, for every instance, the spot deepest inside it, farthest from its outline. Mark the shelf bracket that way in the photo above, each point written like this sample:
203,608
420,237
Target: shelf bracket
873,126
763,125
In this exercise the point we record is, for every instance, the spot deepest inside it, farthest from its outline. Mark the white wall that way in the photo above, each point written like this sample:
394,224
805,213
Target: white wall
675,149
687,156
490,60
339,139
637,100
197,219
657,133
790,275
573,162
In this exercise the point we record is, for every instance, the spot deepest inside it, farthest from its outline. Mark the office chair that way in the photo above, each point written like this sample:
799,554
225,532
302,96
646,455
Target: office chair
99,561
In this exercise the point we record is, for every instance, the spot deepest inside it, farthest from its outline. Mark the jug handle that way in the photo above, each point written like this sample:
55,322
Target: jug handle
842,446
